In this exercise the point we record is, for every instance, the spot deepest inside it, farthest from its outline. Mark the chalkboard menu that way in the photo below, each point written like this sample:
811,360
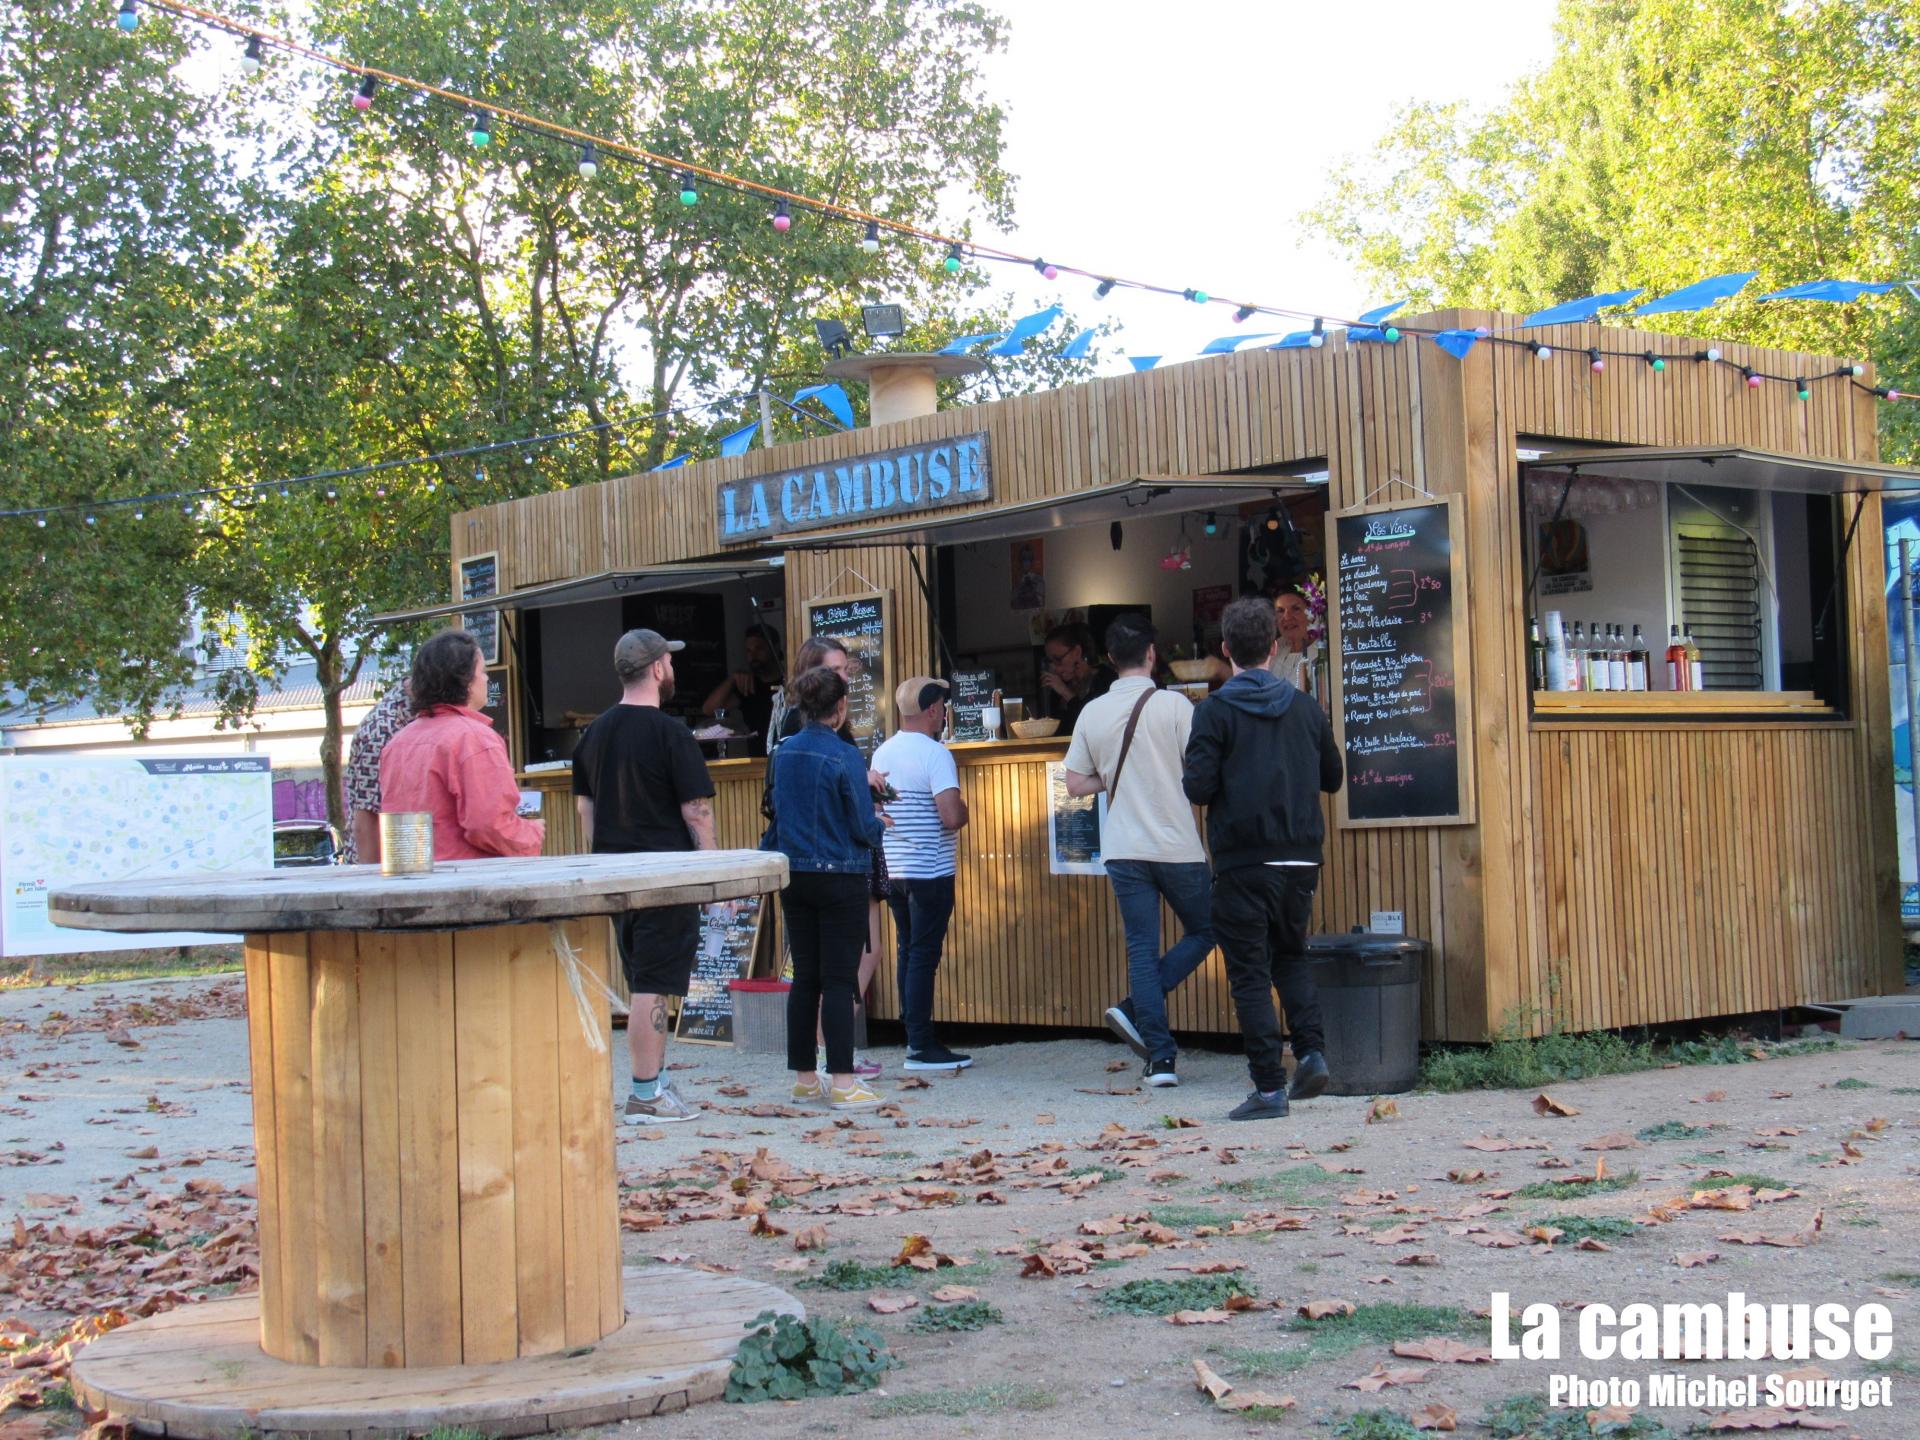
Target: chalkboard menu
972,689
479,578
1399,615
859,622
725,954
496,707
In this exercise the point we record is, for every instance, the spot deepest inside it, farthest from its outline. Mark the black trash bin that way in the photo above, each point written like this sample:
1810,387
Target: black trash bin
1369,1009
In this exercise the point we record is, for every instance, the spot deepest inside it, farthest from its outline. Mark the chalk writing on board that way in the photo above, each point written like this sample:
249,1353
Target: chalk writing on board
860,623
726,953
479,578
972,690
1397,705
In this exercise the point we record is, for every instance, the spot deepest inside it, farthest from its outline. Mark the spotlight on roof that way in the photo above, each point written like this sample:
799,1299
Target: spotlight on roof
833,337
882,322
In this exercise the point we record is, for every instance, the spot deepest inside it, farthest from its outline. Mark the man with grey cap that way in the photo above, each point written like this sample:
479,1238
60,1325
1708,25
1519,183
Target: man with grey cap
922,844
640,785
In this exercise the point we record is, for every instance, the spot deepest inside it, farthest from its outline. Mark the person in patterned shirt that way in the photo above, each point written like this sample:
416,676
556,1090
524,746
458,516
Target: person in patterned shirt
370,737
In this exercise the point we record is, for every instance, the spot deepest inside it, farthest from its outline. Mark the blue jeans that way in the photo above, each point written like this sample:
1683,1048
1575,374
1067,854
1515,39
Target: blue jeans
1138,886
921,910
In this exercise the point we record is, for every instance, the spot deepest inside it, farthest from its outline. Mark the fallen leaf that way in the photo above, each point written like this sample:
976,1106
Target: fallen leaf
793,1262
1179,1122
1442,1351
1495,1142
1038,1267
1589,1243
1690,1259
1545,1234
1616,1140
765,1228
1420,1259
1380,1377
1380,1110
145,1152
1497,1239
1398,1235
1322,1309
1466,1177
1778,1130
1605,1420
1114,1067
954,1294
1211,1267
1770,1419
1256,1399
1545,1104
1198,1317
1377,1280
814,1237
1755,1237
1434,1417
913,1082
1205,1378
1044,1118
891,1304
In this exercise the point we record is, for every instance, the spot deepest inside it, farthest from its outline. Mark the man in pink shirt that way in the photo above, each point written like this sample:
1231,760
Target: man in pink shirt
451,763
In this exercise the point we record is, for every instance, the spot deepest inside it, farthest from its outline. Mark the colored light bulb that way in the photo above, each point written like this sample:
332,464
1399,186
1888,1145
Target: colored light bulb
688,195
1713,354
1392,335
1659,366
482,132
1103,289
1801,389
952,262
870,242
129,20
1542,352
782,218
1594,360
1753,381
254,57
363,97
589,161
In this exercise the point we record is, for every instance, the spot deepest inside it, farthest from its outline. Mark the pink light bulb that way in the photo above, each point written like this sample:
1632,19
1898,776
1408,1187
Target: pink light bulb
1753,382
783,223
1895,395
1598,366
1052,272
363,102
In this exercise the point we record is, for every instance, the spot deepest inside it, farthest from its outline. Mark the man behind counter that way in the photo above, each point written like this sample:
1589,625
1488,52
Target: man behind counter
1070,677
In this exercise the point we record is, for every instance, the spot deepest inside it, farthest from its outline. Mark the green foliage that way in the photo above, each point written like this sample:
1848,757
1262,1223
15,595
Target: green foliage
857,1275
1670,1130
1291,1184
1251,1364
962,1315
1164,1297
1749,1177
1517,1062
1529,1417
1390,1321
1853,1083
1189,1217
788,1359
1576,1228
1575,1189
1668,140
1738,1050
973,1400
1377,1425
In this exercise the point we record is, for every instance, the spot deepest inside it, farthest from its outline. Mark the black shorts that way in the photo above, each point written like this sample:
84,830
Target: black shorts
657,948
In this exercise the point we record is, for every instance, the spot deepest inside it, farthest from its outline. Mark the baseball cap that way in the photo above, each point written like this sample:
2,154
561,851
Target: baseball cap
637,649
915,696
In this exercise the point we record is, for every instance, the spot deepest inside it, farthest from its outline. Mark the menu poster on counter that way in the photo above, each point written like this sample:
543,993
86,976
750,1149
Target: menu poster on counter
972,690
1075,825
479,578
727,942
1400,708
860,623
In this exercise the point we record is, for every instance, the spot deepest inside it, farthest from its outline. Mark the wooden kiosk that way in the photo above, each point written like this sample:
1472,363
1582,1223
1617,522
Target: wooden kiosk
1603,861
439,1212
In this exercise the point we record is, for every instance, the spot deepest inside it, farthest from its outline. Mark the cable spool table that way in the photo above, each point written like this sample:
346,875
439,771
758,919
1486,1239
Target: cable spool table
433,1128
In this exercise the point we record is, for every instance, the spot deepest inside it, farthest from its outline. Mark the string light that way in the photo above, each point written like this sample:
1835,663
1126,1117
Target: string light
1051,272
782,218
139,514
589,165
1655,363
1243,314
1801,389
254,57
1212,523
363,97
952,262
129,18
1198,297
870,242
1753,380
1594,360
1104,289
482,132
688,194
1540,351
1318,335
1711,356
1392,335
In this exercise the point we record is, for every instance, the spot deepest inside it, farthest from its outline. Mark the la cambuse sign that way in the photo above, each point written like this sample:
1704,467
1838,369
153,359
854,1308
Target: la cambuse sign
932,475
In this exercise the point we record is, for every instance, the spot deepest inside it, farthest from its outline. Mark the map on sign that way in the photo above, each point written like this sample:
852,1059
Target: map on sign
74,820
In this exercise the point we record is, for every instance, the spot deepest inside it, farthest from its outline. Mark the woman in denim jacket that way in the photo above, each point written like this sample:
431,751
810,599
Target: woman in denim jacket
826,824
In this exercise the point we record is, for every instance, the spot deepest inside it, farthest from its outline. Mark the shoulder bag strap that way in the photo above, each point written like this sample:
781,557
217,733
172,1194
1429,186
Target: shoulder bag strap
1126,743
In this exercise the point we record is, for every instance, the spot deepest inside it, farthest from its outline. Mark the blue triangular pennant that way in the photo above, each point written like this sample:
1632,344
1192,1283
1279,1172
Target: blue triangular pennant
1227,344
1143,362
1701,295
1374,317
1456,342
1838,291
831,396
740,441
1079,346
674,464
1024,329
967,342
1575,311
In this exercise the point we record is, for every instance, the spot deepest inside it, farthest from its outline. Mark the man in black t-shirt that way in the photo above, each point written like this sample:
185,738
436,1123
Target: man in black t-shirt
640,785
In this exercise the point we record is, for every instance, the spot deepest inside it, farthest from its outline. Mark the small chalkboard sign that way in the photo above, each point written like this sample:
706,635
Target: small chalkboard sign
479,578
860,623
496,707
972,690
1401,708
727,944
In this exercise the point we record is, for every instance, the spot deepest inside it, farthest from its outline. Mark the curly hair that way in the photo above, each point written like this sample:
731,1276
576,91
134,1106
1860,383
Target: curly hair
818,692
443,670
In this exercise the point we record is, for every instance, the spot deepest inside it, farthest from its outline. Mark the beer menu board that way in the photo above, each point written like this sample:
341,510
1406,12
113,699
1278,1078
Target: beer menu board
859,622
1399,604
725,954
972,690
479,578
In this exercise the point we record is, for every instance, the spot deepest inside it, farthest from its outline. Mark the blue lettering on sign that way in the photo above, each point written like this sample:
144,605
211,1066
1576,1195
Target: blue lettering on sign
904,481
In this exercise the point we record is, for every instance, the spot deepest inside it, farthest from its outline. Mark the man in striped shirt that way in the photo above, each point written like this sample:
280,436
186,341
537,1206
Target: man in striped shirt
923,825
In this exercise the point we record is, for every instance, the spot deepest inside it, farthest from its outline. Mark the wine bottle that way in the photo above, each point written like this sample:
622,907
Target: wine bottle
1616,658
1637,662
1696,673
1599,673
1676,660
1536,655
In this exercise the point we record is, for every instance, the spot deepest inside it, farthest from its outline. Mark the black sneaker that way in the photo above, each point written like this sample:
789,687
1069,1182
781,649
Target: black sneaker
1120,1021
1259,1107
1310,1077
936,1057
1161,1074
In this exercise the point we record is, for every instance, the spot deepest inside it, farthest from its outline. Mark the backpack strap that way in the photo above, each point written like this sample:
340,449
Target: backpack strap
1126,743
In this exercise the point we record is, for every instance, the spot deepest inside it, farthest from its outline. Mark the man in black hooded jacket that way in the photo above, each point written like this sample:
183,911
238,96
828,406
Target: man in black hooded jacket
1258,758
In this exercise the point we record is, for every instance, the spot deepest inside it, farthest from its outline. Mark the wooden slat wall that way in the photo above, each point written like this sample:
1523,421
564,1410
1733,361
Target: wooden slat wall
1531,892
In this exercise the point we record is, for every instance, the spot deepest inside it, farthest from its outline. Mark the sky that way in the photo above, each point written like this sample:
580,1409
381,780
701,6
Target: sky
1179,143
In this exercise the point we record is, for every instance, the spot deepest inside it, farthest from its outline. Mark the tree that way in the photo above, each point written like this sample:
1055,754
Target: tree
1666,141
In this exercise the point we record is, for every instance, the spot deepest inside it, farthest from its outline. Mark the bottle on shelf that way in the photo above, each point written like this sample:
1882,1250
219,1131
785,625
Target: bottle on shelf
1696,675
1555,662
1637,661
1616,658
1599,673
1676,660
1576,658
1536,655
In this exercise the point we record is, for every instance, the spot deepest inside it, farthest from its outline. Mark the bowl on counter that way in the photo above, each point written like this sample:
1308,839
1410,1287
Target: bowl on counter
1034,729
1190,671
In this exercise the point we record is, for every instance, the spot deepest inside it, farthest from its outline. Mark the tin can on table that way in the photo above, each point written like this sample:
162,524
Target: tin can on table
406,843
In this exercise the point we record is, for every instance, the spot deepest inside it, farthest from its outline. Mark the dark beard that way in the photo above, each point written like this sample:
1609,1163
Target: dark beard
666,690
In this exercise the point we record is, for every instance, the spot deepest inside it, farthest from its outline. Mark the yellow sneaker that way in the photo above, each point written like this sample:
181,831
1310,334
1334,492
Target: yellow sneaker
813,1093
855,1097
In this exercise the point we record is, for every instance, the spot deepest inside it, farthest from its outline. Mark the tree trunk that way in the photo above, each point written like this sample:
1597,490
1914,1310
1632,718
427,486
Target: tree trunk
333,686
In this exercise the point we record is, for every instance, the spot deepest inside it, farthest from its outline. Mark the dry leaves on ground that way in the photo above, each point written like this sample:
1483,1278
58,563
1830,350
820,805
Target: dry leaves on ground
1323,1309
1225,1397
917,1251
1770,1418
1615,1140
1690,1259
1381,1376
1435,1417
1500,1142
1198,1317
1545,1104
1379,1110
891,1304
954,1294
1443,1351
814,1237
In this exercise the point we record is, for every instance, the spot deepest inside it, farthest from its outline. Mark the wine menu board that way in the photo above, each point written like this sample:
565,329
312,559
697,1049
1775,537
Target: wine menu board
479,578
1399,618
860,623
972,691
727,943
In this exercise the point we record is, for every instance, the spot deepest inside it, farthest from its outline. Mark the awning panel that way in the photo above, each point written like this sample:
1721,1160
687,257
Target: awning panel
1735,466
607,585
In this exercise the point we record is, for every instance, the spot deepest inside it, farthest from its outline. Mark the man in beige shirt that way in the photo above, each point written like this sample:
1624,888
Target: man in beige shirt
1150,845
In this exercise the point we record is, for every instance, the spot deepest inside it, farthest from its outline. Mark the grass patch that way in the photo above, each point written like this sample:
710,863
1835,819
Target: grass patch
966,1315
1377,1425
1390,1320
1853,1083
1749,1177
1245,1364
1902,1277
1529,1417
1189,1217
1164,1297
453,1432
1515,1062
1106,1173
1291,1184
102,967
858,1275
973,1400
58,1397
1894,1365
1589,1227
1738,1050
1670,1130
1574,1189
1905,1090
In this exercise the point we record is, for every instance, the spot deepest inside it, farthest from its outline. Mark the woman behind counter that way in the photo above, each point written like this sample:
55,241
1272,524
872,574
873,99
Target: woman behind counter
826,823
451,762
